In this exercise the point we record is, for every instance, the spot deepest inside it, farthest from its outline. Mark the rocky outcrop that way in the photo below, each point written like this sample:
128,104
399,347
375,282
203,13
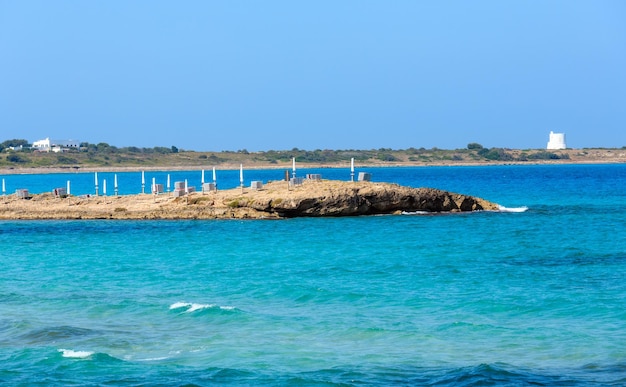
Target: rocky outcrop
275,200
350,199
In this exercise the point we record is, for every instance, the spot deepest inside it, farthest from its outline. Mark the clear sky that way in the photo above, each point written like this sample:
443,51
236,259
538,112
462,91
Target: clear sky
337,74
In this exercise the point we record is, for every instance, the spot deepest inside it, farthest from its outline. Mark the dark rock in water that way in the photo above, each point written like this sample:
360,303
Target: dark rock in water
350,199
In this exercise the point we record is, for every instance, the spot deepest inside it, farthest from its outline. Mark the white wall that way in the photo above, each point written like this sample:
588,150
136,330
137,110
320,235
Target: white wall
557,141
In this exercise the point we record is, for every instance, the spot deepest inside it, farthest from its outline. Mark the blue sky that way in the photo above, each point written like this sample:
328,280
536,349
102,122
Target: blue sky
274,75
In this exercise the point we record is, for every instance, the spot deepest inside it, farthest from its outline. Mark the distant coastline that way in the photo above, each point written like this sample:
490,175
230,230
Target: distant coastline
190,160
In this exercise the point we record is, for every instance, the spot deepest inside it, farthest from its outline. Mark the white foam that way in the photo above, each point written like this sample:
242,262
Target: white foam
193,307
416,213
512,209
178,305
75,354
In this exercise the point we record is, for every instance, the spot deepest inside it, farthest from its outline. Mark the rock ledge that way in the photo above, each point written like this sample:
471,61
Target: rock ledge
274,200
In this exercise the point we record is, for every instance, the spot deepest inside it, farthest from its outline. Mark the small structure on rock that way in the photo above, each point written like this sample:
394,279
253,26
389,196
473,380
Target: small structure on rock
22,193
365,176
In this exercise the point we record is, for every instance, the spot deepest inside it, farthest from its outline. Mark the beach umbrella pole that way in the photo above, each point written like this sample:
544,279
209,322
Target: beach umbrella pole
214,179
352,169
241,176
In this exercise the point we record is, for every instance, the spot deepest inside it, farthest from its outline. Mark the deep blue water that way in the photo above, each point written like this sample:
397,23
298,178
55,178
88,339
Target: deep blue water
535,297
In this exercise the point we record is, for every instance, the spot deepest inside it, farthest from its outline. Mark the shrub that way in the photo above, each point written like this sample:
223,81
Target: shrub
66,160
387,157
545,155
13,158
496,154
162,150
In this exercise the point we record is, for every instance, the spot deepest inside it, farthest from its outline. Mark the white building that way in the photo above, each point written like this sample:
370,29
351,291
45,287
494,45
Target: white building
48,145
557,141
42,145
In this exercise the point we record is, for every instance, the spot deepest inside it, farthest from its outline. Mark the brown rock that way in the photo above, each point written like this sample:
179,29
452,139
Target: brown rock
275,200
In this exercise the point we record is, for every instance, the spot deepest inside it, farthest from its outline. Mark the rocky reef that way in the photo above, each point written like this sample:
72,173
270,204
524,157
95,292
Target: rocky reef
350,199
275,200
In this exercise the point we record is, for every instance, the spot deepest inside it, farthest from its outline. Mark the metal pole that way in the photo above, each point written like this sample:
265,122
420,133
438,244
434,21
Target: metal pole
352,169
241,176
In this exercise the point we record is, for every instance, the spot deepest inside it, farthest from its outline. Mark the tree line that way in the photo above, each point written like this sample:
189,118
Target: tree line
105,154
103,147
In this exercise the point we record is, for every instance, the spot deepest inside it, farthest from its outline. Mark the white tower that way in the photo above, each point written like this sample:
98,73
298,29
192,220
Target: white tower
557,141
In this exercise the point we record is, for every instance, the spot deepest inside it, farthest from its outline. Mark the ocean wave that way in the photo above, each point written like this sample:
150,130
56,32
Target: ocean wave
153,359
55,333
193,307
72,354
155,373
512,209
99,357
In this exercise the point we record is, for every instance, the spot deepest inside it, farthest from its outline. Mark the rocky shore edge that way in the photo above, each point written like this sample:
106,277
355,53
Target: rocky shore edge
275,200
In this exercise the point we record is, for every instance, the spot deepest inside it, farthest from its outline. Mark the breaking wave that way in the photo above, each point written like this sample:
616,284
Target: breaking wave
193,307
70,353
512,209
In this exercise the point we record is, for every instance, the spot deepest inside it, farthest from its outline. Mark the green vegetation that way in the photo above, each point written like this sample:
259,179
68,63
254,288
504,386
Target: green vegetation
13,143
545,155
16,159
498,154
17,153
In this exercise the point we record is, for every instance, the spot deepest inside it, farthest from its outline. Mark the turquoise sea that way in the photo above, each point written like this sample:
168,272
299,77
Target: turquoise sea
535,297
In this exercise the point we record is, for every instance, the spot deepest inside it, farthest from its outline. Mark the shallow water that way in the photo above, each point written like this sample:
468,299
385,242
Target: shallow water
534,297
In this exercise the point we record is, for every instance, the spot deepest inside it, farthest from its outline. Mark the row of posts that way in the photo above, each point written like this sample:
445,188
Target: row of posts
143,180
143,183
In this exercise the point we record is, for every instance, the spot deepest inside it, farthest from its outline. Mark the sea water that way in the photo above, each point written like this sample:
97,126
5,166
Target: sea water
530,296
